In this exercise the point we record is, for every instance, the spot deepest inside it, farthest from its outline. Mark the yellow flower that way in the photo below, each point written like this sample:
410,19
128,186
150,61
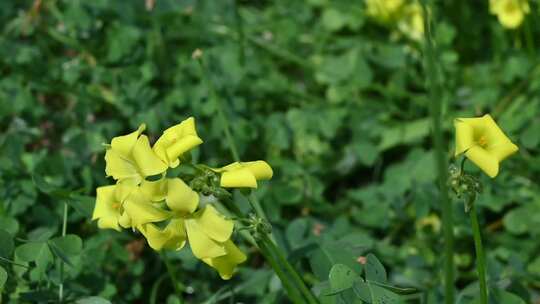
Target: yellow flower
179,197
509,12
244,174
383,10
226,264
411,22
176,141
130,159
173,236
206,230
124,205
181,200
108,209
483,142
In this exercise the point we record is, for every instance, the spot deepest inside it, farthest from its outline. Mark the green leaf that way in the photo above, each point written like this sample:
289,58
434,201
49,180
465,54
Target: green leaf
64,247
523,219
505,297
296,232
331,253
48,188
92,300
70,244
7,244
397,290
37,252
374,294
3,277
341,277
374,269
405,133
9,224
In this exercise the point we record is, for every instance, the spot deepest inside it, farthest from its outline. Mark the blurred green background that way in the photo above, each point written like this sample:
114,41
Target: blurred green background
334,100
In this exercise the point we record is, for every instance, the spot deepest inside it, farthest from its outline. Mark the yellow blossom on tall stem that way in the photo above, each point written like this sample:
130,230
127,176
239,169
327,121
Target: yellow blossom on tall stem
510,13
483,142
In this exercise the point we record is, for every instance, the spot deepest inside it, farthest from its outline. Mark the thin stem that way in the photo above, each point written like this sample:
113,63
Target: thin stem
292,272
255,205
64,231
14,263
294,294
172,274
436,97
480,259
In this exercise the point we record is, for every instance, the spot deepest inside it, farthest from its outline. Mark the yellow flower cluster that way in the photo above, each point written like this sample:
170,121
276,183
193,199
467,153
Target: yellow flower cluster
510,13
167,211
406,16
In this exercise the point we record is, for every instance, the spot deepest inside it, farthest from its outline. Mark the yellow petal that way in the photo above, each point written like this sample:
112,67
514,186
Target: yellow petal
182,145
122,191
214,224
201,245
503,150
108,222
260,169
239,178
180,197
176,141
244,174
155,190
121,168
172,237
226,264
104,202
142,211
494,135
125,220
123,144
147,161
464,136
485,161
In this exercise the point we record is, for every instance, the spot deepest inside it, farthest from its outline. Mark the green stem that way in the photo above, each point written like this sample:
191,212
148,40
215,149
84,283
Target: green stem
64,231
480,259
255,205
294,294
436,97
297,280
172,274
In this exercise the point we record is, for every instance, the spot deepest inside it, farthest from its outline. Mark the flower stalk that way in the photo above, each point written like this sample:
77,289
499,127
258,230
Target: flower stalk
480,258
64,231
436,97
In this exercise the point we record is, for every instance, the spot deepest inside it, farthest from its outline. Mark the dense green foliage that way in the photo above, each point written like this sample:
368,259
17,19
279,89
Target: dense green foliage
334,101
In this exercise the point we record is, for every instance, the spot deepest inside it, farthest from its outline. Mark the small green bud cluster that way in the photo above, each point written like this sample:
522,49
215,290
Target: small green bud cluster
464,185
